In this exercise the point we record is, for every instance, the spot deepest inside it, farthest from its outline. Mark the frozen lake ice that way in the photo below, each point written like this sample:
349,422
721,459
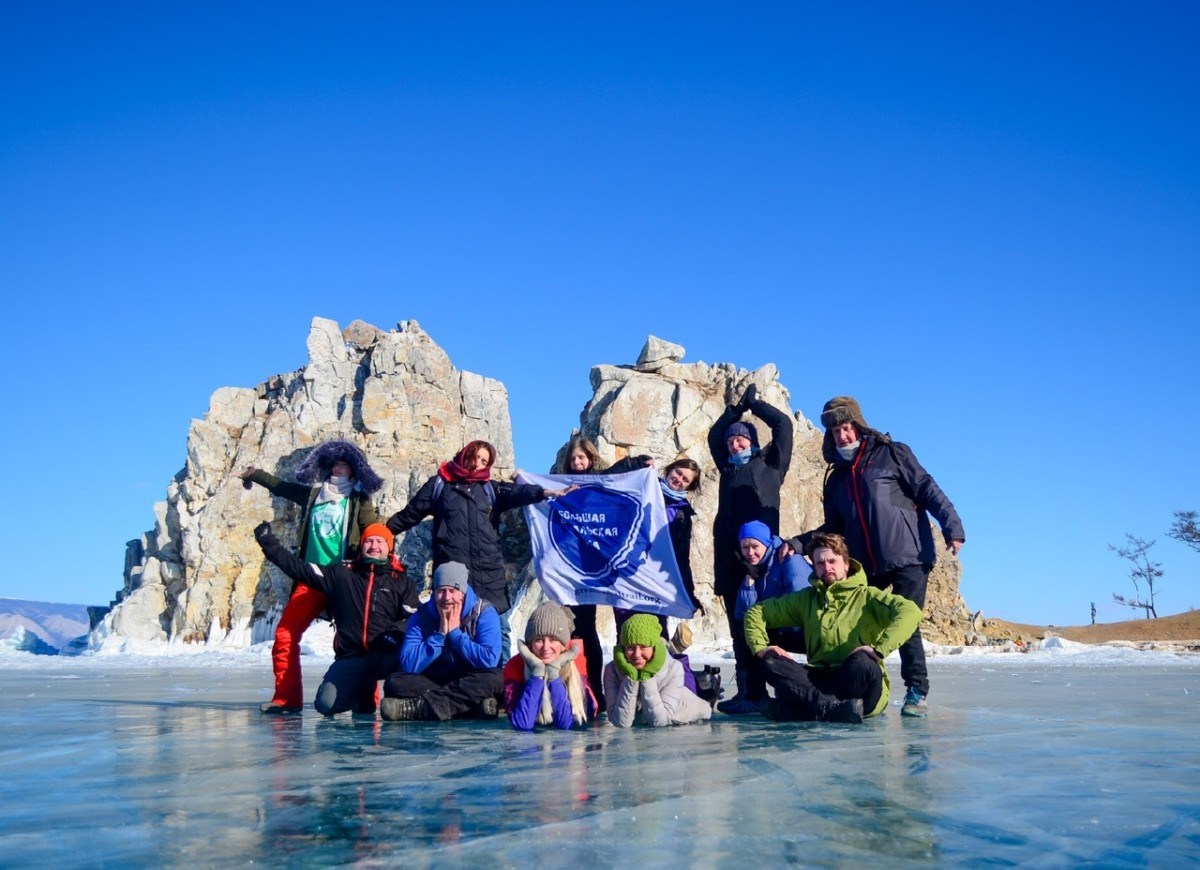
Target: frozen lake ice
1040,759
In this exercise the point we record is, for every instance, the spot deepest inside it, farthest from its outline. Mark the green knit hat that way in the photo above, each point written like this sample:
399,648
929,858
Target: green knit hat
641,629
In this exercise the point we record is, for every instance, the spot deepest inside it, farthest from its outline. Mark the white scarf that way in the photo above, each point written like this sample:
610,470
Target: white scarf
335,489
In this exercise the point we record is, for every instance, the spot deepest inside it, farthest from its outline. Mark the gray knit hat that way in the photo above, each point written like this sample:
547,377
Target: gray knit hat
549,620
451,574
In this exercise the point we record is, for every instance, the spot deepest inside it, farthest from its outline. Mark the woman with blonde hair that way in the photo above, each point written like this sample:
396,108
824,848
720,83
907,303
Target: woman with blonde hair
546,682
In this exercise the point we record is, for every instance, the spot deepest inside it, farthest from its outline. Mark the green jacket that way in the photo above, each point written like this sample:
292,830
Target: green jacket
838,619
360,512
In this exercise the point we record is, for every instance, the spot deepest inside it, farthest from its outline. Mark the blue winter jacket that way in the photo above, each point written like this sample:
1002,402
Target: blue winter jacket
467,648
779,577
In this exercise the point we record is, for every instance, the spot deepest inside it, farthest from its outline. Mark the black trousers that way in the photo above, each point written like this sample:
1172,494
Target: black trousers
910,582
585,630
748,662
791,640
447,694
737,632
808,691
350,683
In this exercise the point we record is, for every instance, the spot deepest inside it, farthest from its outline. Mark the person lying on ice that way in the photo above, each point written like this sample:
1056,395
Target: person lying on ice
546,682
449,663
642,680
370,599
849,629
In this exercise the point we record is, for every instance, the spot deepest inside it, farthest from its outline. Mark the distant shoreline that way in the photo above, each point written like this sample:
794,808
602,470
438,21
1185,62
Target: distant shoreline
1179,628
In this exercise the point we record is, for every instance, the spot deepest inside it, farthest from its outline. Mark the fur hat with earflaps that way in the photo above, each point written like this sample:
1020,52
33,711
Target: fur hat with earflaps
842,409
839,410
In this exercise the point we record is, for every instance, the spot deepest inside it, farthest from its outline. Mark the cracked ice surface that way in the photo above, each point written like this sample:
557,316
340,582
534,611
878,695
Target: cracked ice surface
1033,759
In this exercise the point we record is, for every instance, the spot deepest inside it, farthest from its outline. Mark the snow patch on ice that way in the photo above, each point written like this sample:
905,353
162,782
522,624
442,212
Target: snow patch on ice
1058,650
235,650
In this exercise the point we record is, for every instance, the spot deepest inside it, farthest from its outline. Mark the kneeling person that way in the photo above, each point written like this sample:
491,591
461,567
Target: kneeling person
644,681
370,599
849,629
449,663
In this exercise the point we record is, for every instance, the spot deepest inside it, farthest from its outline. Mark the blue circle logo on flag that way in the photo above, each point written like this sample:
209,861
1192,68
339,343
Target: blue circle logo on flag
596,531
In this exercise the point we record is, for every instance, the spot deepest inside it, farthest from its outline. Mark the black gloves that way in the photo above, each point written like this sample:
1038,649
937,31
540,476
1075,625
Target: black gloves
748,398
388,641
262,532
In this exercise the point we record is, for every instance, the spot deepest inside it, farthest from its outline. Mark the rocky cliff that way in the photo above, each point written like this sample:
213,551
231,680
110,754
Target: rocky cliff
664,407
198,576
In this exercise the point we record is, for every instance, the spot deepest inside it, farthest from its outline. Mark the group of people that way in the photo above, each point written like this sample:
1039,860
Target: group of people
859,599
870,563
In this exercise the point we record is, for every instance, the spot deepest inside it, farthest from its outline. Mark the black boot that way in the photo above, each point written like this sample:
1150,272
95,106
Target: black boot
778,710
813,706
850,712
405,709
740,704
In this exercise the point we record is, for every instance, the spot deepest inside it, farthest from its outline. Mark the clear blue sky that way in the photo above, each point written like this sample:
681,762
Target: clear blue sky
980,219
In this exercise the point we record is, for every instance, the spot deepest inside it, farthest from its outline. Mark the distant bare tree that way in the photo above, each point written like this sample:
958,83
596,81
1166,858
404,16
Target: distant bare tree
1141,570
1185,529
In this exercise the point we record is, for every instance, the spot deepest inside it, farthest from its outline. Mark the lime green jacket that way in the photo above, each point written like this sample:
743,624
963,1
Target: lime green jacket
837,619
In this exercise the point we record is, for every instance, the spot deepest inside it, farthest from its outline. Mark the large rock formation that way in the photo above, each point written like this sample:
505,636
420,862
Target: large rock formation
200,577
664,408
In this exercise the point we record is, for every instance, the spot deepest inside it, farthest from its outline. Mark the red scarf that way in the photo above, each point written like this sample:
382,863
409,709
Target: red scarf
455,472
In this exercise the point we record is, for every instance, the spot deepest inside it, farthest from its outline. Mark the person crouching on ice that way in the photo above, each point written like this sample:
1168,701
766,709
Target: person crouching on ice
449,664
849,629
546,684
642,680
371,600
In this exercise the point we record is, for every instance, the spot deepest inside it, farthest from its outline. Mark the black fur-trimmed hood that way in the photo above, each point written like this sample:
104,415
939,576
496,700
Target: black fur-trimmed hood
316,465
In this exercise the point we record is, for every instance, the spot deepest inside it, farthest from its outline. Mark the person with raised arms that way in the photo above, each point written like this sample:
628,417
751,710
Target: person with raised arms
751,478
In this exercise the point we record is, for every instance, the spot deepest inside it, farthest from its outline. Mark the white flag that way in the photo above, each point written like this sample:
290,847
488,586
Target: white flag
606,543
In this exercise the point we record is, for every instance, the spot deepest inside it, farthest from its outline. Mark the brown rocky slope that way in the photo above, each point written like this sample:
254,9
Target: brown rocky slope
1179,628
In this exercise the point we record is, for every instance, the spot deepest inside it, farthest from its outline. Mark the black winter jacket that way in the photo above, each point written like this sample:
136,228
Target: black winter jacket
747,492
681,541
465,528
880,503
365,600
